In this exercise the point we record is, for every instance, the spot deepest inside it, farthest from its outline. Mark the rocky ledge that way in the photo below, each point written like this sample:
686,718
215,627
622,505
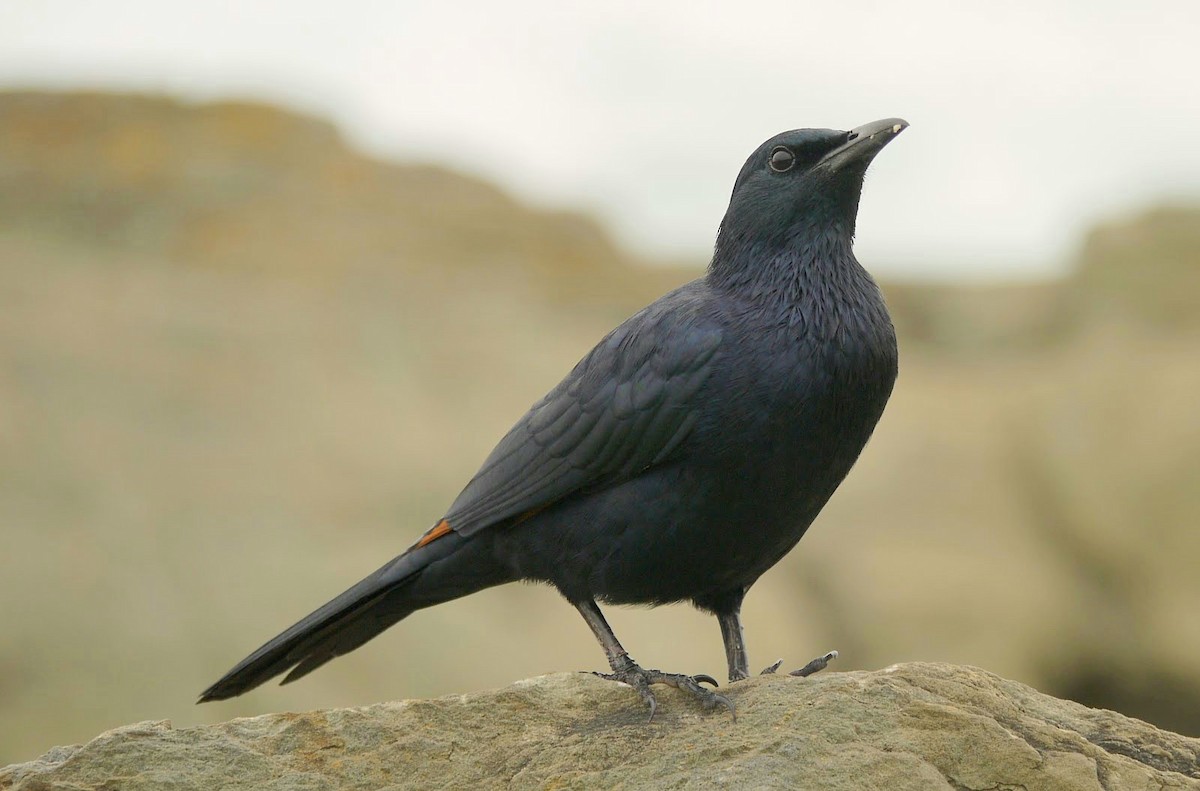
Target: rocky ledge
912,726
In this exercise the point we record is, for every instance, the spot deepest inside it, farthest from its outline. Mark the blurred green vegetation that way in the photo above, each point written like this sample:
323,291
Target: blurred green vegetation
242,365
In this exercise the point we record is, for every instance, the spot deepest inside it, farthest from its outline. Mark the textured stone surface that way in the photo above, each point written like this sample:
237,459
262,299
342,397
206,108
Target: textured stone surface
913,726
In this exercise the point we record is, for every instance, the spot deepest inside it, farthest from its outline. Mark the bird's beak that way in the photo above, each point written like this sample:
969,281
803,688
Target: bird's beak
864,143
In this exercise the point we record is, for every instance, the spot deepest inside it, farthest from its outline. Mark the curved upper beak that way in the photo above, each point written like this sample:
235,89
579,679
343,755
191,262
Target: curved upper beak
864,142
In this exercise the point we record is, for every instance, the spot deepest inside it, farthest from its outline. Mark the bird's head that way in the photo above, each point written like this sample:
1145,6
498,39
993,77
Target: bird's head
801,184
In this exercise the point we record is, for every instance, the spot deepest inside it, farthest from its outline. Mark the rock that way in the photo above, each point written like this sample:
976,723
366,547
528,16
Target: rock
911,726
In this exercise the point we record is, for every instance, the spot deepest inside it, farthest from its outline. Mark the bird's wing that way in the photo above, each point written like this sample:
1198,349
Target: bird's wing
625,407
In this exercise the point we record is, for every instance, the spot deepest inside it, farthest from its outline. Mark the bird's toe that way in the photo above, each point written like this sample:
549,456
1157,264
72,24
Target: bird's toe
818,664
769,670
640,679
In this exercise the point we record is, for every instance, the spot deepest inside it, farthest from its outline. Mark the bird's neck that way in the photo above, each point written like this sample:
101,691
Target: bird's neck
791,271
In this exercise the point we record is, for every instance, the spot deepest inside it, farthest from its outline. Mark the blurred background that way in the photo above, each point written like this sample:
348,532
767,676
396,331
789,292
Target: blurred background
274,280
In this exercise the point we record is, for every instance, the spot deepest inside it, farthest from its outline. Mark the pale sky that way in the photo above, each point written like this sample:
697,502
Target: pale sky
1030,120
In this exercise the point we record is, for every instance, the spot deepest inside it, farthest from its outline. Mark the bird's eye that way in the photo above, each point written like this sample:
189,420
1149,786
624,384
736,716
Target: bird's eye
782,159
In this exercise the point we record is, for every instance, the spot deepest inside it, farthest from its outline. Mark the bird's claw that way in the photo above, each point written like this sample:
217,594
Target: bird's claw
820,663
769,670
640,679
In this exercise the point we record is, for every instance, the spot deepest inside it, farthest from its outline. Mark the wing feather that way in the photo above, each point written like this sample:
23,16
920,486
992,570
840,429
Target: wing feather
626,406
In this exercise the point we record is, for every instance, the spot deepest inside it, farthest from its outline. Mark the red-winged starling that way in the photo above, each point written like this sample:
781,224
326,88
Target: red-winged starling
686,453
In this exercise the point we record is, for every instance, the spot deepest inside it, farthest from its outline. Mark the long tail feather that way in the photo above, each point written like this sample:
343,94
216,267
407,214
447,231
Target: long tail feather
405,584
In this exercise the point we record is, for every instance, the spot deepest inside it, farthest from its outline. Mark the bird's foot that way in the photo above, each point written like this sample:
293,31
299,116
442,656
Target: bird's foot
820,663
641,678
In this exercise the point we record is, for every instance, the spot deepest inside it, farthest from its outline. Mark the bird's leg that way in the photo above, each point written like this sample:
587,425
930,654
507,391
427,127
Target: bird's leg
625,670
730,618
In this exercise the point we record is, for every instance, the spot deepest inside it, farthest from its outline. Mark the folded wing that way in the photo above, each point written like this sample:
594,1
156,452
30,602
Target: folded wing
624,408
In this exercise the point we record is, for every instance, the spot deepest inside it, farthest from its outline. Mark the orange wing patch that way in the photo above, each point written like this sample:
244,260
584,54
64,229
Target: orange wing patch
532,512
435,532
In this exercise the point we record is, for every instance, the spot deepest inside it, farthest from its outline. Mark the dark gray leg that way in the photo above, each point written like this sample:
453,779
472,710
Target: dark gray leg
730,619
735,641
624,669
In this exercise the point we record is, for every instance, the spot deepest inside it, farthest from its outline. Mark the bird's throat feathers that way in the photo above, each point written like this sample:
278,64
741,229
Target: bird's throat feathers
788,269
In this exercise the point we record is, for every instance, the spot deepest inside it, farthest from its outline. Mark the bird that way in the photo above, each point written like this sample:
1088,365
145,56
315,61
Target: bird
685,454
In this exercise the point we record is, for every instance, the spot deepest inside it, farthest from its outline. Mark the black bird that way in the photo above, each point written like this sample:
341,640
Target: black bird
686,453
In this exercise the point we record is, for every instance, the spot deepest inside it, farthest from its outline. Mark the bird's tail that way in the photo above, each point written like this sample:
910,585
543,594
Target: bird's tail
432,572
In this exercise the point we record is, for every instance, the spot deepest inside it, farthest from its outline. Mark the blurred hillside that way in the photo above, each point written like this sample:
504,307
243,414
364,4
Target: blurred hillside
251,188
241,365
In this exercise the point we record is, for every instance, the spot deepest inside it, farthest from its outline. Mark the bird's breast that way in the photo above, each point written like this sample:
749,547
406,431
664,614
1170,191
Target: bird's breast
835,355
808,395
